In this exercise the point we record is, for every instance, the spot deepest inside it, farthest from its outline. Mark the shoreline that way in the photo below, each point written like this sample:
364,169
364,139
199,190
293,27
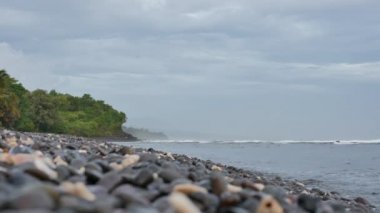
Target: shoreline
82,171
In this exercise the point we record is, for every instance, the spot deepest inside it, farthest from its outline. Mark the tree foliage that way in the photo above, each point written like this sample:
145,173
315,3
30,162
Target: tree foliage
55,112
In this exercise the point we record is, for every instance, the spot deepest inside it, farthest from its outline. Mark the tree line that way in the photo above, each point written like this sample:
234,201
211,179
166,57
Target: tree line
50,111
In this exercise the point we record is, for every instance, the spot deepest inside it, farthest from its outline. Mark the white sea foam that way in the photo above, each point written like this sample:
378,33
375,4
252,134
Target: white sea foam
337,142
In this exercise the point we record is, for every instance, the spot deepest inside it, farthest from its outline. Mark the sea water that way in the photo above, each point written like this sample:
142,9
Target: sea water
351,168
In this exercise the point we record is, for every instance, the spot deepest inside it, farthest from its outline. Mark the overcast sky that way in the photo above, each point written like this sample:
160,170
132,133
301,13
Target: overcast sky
289,69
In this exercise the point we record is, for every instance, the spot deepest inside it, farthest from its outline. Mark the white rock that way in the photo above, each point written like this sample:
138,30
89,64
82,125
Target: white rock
130,160
188,188
216,168
41,165
182,204
233,188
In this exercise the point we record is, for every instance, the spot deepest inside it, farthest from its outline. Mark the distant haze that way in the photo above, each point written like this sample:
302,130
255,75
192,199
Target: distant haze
212,69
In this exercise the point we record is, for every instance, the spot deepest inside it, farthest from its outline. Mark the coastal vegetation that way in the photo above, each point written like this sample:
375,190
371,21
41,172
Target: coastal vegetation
54,112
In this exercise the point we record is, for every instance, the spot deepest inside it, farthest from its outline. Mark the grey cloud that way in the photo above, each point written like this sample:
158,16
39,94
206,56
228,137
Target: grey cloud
259,69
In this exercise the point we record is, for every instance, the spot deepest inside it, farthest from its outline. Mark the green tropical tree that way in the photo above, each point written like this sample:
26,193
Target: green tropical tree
9,101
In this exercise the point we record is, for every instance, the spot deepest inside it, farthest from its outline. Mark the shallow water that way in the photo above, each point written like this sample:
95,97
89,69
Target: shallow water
352,169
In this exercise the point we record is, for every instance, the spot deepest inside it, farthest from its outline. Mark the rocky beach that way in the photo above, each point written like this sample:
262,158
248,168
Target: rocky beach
62,173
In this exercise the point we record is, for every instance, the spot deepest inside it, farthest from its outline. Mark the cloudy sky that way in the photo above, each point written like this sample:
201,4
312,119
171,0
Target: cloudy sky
290,69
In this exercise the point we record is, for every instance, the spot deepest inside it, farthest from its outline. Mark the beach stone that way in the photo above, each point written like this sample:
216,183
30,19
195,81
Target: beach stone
308,202
233,188
92,176
218,184
4,145
169,174
229,199
104,165
59,161
188,188
129,194
75,204
63,172
269,205
20,158
20,150
162,205
208,202
277,192
110,180
39,169
140,209
216,168
33,197
26,140
11,141
362,201
182,204
77,163
324,208
18,178
251,204
148,157
144,177
126,150
130,160
78,189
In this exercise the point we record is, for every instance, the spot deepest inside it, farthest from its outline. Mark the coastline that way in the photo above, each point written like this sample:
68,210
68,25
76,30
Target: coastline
107,173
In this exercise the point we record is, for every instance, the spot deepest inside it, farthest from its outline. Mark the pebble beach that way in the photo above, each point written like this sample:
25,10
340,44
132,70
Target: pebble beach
61,173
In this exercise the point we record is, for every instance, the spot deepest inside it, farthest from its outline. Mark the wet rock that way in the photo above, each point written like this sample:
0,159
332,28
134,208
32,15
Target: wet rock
182,204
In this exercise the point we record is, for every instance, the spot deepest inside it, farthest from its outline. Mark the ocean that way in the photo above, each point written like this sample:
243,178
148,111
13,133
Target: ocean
351,168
